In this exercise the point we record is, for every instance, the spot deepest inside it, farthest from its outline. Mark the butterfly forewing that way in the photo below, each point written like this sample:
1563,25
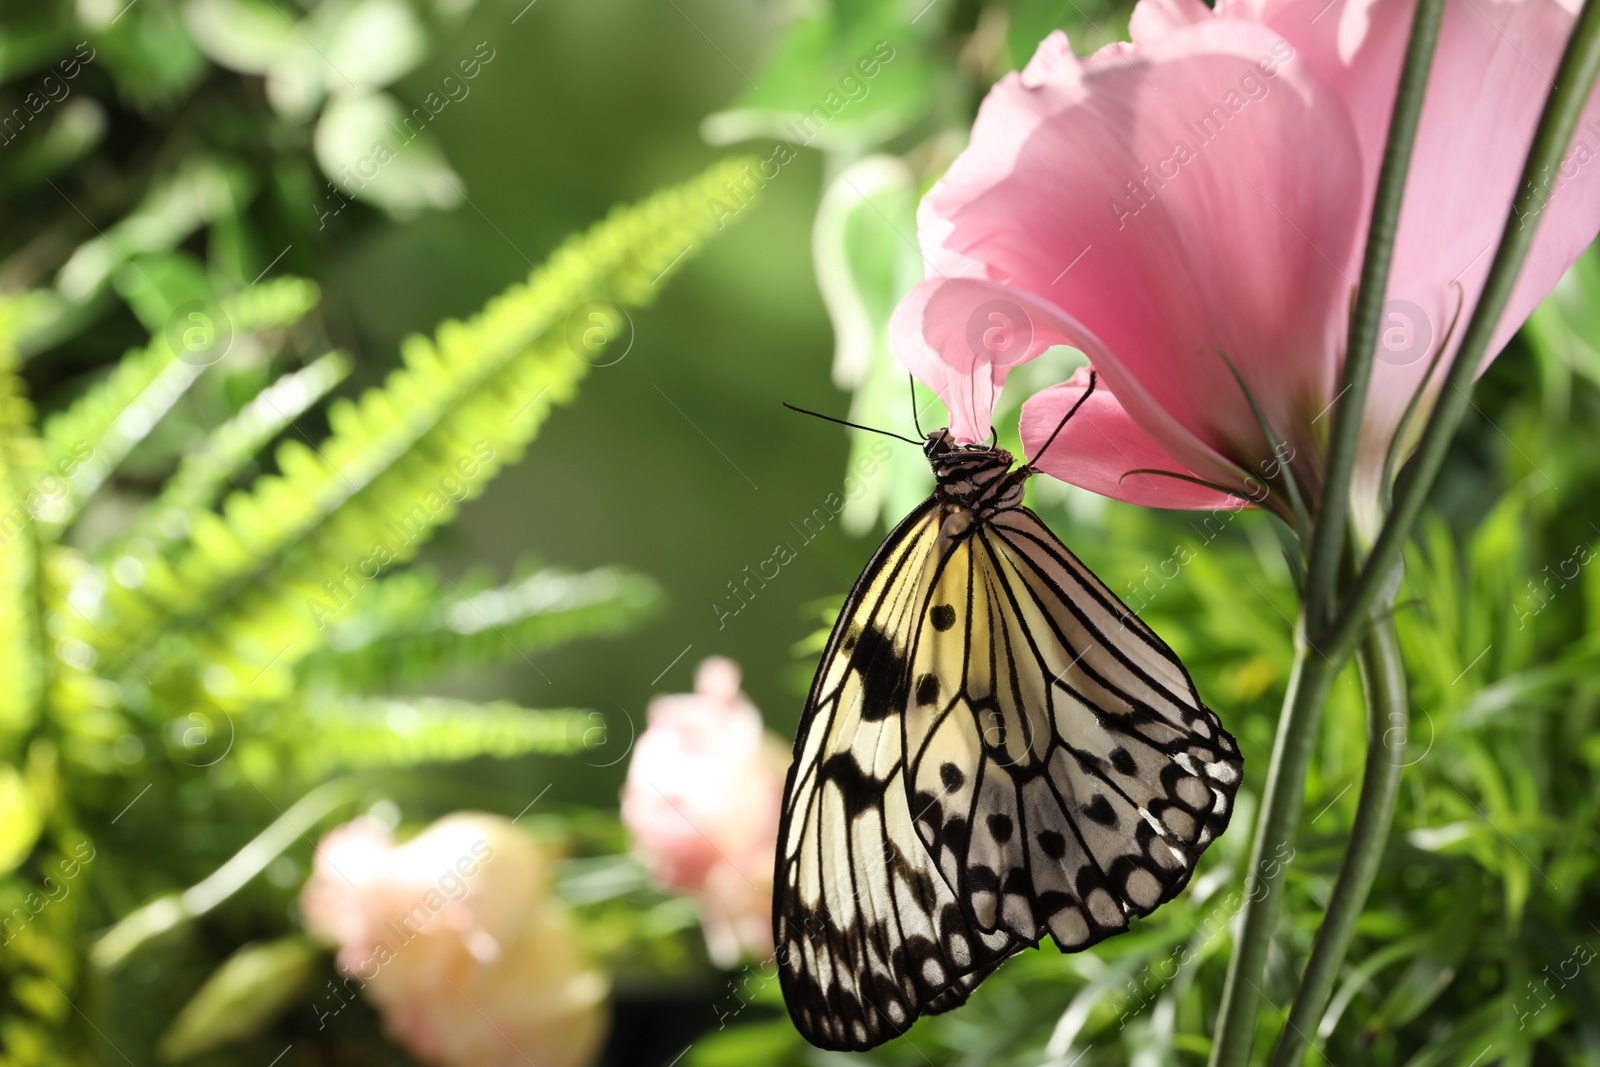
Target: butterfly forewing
869,935
994,749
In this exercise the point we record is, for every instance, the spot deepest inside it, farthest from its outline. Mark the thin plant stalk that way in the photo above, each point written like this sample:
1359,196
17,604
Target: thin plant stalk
1562,109
1302,710
1384,685
1312,675
1574,80
1366,315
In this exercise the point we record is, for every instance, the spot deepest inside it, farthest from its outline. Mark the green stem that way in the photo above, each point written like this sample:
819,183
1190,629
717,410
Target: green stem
166,912
1366,317
1280,814
1297,727
1384,681
1562,109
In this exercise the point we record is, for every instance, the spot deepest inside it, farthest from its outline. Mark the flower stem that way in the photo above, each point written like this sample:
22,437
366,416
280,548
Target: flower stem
1366,317
1562,109
1280,814
1384,682
1314,670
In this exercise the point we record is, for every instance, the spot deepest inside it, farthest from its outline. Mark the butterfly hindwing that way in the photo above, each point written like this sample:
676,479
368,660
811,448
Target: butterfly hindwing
1065,774
868,934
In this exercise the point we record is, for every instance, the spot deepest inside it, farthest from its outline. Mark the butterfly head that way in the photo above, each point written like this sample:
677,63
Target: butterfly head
974,476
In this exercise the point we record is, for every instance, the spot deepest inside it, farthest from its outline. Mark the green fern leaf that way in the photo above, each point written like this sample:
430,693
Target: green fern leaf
356,734
406,627
86,442
400,459
204,473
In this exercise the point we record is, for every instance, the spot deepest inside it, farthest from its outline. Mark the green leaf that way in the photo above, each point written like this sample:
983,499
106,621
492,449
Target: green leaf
864,266
205,471
242,997
85,443
409,626
836,82
248,36
361,734
400,459
363,142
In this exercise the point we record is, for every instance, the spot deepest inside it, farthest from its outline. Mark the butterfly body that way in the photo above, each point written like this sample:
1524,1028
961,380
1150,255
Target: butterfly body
994,749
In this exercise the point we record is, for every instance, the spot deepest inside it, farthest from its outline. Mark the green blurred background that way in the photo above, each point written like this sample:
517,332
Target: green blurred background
678,462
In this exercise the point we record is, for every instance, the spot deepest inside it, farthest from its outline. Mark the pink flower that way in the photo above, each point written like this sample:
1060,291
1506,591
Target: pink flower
1206,189
455,939
702,801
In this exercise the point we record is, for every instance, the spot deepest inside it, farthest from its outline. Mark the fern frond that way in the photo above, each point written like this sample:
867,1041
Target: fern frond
356,734
21,641
408,627
85,443
402,458
203,474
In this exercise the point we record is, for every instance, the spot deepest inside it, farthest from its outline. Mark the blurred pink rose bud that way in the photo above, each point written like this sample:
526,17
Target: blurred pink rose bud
454,937
702,800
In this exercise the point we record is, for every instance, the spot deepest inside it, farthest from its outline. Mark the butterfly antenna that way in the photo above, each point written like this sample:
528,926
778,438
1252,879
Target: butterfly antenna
1062,424
853,425
915,421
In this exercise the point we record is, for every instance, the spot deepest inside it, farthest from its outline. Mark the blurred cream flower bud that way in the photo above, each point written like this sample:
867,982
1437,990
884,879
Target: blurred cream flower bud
702,801
455,939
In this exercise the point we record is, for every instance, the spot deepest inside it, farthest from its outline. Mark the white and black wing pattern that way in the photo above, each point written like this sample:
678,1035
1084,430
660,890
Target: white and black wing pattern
994,748
869,936
1064,772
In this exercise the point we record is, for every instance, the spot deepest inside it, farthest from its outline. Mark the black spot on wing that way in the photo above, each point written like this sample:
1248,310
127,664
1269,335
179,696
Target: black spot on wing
883,675
952,777
943,616
927,689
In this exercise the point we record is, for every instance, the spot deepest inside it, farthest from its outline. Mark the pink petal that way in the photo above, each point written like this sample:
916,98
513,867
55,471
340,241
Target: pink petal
1487,89
1244,246
1101,444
